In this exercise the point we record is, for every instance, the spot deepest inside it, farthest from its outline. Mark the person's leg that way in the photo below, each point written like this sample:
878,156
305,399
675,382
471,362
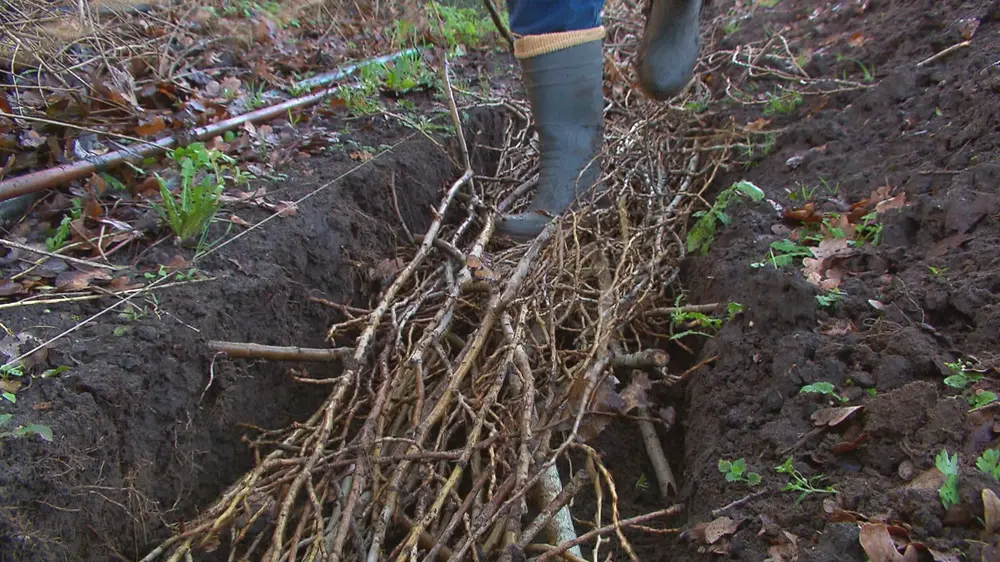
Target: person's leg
668,51
558,43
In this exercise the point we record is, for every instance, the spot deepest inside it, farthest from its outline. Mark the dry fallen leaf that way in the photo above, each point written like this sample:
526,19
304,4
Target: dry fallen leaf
9,288
897,202
237,220
837,327
285,209
361,156
10,385
833,416
719,528
79,280
878,544
634,395
991,508
787,549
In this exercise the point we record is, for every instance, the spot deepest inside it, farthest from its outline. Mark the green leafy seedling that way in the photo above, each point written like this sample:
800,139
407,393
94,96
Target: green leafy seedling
824,388
989,463
949,467
783,253
736,471
830,298
799,483
43,431
192,208
981,399
962,374
702,234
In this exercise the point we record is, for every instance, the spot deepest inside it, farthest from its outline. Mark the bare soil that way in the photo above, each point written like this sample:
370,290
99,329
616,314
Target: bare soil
148,423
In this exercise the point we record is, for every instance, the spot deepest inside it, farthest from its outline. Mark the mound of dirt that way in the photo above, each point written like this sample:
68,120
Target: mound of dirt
923,296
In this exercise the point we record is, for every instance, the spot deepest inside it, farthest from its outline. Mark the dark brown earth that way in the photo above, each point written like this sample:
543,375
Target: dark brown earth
140,442
931,132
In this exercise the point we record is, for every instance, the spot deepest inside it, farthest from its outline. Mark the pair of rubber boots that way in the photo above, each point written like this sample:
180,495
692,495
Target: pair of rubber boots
565,90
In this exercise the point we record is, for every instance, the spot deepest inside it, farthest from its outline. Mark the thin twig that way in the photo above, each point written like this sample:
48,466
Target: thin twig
279,353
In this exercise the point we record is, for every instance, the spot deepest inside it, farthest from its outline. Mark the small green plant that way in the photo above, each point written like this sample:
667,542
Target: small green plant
732,309
981,399
783,103
406,73
192,208
62,232
937,271
824,388
702,234
962,375
871,392
736,471
830,298
949,467
459,26
989,463
7,372
804,192
43,431
869,229
699,106
642,484
782,253
799,483
255,97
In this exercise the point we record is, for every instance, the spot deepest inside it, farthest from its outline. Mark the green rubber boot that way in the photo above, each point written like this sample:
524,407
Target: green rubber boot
566,93
668,51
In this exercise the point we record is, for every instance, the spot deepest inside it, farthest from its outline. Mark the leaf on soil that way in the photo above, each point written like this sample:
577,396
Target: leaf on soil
967,27
832,417
286,209
79,280
852,445
930,479
43,431
30,139
819,270
757,125
361,155
9,288
991,508
806,214
10,385
237,220
721,527
150,127
786,549
837,327
942,246
896,202
856,39
634,395
878,544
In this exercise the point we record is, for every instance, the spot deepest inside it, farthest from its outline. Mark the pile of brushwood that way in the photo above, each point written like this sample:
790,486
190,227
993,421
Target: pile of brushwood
483,367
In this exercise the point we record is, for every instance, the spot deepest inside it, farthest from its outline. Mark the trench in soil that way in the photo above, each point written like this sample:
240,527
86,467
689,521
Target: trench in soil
141,443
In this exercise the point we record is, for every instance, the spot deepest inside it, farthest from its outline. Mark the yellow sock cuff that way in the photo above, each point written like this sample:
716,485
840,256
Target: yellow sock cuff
529,46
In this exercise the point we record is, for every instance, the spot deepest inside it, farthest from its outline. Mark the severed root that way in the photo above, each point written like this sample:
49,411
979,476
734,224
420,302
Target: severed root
279,353
664,476
647,358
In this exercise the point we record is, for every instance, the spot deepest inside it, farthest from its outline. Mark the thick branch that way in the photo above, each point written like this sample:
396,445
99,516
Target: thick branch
279,353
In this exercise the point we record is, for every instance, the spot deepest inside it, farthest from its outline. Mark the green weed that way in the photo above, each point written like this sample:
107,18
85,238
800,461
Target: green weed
783,103
989,463
949,467
782,253
702,234
799,483
961,374
43,431
830,298
736,471
981,399
189,211
62,233
826,389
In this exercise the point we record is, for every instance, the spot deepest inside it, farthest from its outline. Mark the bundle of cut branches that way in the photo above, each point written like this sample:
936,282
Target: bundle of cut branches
482,367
